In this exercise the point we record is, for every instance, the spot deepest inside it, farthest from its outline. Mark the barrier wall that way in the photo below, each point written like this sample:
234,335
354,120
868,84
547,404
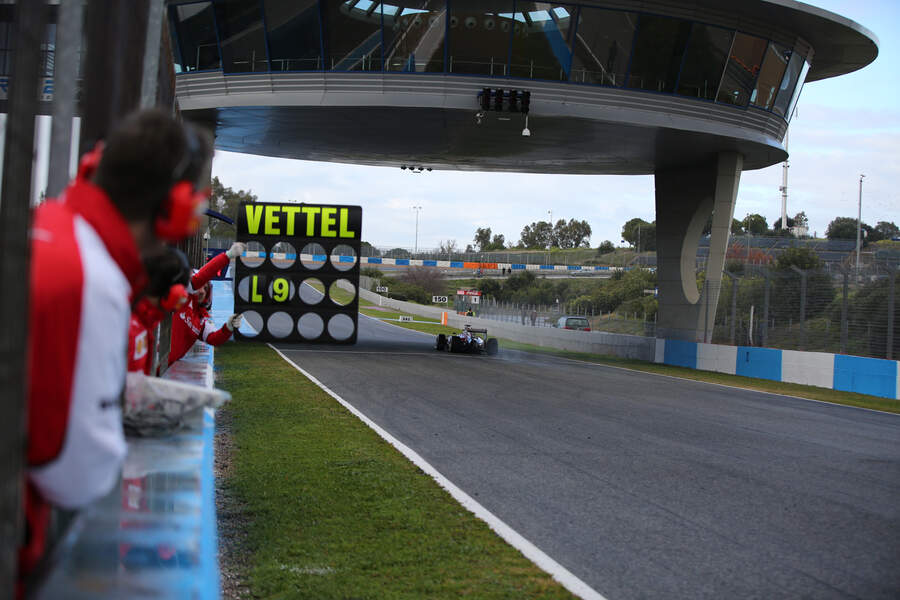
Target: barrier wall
872,376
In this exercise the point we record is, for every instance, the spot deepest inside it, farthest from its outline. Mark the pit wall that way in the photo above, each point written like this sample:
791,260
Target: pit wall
872,376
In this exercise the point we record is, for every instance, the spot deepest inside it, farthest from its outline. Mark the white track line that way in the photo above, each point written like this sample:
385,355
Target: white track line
510,535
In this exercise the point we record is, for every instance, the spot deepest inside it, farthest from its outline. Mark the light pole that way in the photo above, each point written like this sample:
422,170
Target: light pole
859,224
416,248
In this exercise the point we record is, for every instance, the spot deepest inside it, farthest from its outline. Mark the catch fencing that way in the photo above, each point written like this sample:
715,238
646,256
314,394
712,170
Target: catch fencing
835,308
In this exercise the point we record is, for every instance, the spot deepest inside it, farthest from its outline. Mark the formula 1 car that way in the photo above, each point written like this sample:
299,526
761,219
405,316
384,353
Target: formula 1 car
468,341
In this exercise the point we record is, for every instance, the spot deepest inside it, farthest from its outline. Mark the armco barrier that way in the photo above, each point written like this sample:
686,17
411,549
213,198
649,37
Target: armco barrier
872,376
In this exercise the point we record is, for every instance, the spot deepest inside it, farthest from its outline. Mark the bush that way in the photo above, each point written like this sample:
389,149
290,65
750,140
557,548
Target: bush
371,272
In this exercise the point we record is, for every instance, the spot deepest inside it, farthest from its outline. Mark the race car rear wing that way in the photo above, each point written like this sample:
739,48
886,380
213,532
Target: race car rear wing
473,330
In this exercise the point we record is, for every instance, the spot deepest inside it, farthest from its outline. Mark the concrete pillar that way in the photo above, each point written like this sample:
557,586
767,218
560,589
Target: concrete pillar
685,198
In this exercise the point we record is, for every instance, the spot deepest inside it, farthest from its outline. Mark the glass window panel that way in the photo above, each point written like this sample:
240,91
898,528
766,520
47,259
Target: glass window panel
479,39
602,46
770,75
704,61
541,44
194,28
414,35
658,51
799,89
293,31
241,36
788,83
747,54
352,35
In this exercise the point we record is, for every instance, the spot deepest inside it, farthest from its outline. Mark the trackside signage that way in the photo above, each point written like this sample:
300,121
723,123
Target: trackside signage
298,280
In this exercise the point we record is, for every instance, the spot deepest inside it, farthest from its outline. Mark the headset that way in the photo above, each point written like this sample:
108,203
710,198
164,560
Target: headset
169,276
180,213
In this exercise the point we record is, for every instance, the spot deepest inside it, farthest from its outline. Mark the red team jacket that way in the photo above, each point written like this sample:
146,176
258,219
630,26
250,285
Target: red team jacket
194,322
85,268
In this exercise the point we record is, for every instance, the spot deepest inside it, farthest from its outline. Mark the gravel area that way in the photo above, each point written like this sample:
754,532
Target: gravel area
230,517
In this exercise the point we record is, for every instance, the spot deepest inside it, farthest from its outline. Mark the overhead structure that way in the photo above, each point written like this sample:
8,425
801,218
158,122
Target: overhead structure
692,91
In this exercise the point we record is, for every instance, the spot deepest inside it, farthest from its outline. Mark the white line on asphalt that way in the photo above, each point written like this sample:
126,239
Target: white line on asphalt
510,535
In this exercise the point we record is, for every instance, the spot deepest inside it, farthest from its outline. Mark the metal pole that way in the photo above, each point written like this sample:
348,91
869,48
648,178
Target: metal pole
151,53
844,324
416,248
65,67
764,334
892,292
859,225
734,290
15,218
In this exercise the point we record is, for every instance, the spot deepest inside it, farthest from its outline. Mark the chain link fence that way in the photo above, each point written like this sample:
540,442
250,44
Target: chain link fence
836,308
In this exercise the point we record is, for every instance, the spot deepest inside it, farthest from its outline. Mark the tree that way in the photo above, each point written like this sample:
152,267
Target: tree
606,247
801,220
631,231
755,224
776,226
483,238
842,228
226,201
886,230
579,234
537,236
449,248
498,242
737,228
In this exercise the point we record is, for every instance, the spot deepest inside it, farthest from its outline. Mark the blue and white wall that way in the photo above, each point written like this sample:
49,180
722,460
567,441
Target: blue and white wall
873,376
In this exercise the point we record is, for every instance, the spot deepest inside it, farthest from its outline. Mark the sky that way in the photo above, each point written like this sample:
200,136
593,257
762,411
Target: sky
843,127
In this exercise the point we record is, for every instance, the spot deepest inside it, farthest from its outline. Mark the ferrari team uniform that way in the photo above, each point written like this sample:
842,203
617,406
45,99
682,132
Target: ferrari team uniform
193,321
85,269
141,331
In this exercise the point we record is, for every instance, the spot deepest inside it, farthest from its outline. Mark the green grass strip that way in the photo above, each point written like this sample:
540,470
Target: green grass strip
750,383
333,511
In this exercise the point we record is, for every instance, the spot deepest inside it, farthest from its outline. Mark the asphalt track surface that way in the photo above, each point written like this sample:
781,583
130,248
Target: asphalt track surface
642,486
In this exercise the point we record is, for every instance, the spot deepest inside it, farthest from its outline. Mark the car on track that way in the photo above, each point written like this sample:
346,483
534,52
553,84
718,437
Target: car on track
468,341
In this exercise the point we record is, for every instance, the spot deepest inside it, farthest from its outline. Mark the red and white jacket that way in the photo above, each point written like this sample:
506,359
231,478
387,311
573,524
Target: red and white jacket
141,335
193,321
85,269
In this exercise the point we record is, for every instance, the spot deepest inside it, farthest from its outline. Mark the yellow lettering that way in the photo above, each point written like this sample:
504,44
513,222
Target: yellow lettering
291,212
328,222
255,296
345,217
310,212
272,220
254,216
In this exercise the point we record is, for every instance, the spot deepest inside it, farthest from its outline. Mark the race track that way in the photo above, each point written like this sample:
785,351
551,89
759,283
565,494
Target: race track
643,486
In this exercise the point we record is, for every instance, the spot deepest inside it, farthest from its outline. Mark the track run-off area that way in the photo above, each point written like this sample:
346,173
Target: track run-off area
641,485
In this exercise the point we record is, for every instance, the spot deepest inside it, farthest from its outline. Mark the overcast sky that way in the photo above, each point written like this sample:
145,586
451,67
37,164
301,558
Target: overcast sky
844,126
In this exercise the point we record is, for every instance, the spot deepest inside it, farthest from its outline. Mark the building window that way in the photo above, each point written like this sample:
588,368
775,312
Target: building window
479,39
602,46
801,81
293,32
194,28
414,32
542,40
658,51
704,61
788,82
743,67
352,30
777,58
242,36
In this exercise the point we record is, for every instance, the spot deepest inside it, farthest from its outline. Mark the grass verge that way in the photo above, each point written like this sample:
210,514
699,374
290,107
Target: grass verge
333,511
750,383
